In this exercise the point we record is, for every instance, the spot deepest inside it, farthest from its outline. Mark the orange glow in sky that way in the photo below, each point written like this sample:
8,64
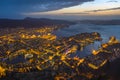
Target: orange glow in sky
85,9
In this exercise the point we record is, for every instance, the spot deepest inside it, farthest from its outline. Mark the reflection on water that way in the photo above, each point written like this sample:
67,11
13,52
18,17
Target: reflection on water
105,30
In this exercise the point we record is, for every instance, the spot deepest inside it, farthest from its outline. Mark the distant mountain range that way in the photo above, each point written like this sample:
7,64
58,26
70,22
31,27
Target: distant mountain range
41,22
31,22
101,22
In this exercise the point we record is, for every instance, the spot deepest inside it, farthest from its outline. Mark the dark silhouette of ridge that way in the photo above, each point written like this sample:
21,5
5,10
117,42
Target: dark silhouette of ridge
101,22
31,22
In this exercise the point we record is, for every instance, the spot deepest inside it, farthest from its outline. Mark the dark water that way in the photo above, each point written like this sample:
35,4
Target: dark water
105,30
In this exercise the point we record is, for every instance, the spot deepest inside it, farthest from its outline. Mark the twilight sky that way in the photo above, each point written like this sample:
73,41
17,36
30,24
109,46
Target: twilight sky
60,9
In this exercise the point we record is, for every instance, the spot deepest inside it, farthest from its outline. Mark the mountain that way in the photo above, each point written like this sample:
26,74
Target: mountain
101,22
31,22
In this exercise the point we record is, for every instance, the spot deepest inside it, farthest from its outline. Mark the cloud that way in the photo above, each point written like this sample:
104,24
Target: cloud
113,1
109,9
23,6
76,13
